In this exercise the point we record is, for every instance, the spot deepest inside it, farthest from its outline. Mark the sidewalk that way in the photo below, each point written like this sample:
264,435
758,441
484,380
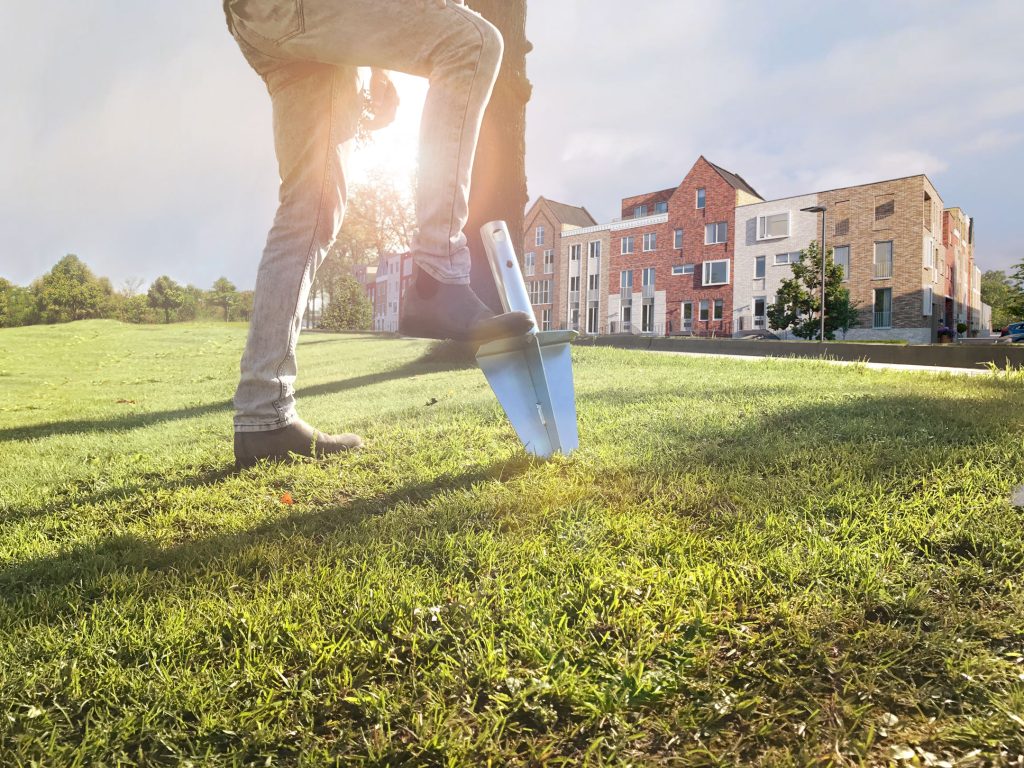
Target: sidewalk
877,366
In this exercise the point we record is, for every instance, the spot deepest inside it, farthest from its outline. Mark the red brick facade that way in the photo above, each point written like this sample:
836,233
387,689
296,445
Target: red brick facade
720,198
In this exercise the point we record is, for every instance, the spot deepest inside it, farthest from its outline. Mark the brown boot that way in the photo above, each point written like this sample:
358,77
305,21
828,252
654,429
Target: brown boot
296,439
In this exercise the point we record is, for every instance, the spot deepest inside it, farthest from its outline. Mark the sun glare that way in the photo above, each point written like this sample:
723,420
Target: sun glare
393,151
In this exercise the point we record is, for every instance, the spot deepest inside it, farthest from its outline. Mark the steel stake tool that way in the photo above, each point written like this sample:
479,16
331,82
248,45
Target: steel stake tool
532,374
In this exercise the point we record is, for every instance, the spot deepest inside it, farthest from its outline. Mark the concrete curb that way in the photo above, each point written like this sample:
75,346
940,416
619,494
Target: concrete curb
973,357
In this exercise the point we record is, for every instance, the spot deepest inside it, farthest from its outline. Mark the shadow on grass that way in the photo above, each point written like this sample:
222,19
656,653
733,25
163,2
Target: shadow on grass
85,566
439,358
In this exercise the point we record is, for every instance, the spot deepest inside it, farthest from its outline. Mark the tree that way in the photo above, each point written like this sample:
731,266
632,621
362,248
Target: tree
165,294
244,305
350,308
6,289
1004,295
499,173
223,295
70,291
798,301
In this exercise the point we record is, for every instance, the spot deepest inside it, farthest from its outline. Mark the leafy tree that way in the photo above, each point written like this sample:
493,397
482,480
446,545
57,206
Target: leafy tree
223,295
165,294
798,301
350,308
1004,295
70,291
244,305
6,289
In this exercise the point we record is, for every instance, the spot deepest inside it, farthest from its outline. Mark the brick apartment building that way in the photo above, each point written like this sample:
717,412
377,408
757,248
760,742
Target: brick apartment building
664,267
546,224
394,272
907,261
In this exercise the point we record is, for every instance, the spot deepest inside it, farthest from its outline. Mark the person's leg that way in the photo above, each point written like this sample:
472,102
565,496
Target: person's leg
460,53
315,109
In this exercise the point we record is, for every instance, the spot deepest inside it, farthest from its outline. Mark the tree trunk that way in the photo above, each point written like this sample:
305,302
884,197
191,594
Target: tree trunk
499,175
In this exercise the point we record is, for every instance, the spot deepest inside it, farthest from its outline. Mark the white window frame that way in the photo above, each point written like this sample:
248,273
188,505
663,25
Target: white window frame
678,269
575,251
594,250
686,322
628,245
549,261
700,199
677,239
718,227
928,297
704,311
545,320
785,259
647,271
529,264
538,236
650,241
661,206
709,266
753,312
762,262
762,226
639,211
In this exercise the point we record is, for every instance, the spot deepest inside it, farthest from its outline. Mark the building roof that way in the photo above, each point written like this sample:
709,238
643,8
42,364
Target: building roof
576,216
734,179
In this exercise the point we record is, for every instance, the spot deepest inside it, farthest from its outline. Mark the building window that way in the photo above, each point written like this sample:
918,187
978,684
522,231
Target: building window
574,289
883,260
885,207
648,276
782,259
719,307
678,269
928,299
687,315
593,318
661,207
627,244
678,240
701,198
773,226
595,250
594,281
705,310
549,262
883,308
545,320
759,262
626,316
759,313
640,211
530,262
539,236
574,318
575,251
650,241
841,258
540,292
716,272
716,233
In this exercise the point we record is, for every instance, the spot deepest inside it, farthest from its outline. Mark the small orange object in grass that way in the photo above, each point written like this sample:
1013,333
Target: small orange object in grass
286,498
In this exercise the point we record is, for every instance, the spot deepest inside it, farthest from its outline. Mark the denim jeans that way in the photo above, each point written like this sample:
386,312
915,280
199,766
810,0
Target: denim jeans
307,52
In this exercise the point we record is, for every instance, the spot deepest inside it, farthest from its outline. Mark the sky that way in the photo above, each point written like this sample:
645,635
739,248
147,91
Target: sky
135,136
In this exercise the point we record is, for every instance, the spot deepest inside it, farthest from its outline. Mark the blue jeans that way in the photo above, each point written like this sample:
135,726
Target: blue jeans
307,52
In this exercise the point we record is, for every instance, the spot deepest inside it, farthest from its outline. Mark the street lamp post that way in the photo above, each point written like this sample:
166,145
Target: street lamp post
821,209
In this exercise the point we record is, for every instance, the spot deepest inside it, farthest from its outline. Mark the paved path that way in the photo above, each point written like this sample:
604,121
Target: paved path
879,366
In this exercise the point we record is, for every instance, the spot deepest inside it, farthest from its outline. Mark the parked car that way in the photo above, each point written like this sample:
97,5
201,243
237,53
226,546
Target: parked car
1012,328
755,333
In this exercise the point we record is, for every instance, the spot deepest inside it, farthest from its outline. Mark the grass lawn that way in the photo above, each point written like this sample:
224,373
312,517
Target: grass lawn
765,563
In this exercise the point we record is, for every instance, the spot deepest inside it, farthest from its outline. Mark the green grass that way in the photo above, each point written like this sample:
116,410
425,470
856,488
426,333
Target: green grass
764,563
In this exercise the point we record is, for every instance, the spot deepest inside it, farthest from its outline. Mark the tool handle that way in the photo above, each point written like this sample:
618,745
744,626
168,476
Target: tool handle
501,255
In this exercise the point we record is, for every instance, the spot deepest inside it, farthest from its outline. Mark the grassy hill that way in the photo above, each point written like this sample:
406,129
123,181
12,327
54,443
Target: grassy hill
760,563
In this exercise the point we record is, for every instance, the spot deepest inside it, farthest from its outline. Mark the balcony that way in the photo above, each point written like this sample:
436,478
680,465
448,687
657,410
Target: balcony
648,291
594,294
549,269
883,320
574,297
626,293
883,270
